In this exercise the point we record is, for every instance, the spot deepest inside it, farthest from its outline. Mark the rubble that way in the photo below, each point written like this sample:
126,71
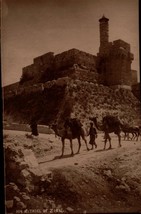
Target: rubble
22,169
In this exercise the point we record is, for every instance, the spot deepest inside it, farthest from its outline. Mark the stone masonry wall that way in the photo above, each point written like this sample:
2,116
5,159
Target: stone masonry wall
41,64
115,65
49,67
134,77
79,73
118,70
86,75
74,56
120,43
46,59
136,91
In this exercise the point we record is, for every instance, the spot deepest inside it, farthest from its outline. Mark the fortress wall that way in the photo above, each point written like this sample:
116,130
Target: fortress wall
30,74
10,90
45,59
65,73
79,74
113,72
74,56
127,73
114,66
86,75
118,64
41,65
136,91
118,72
29,70
64,60
87,61
61,65
134,77
120,43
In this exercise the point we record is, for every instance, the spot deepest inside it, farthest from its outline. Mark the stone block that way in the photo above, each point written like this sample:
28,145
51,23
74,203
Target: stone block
36,174
30,159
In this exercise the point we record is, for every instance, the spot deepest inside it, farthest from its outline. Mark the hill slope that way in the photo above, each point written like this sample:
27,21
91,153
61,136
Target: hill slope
65,96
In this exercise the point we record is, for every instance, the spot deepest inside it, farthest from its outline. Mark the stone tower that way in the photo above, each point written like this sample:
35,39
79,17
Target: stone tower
104,34
114,59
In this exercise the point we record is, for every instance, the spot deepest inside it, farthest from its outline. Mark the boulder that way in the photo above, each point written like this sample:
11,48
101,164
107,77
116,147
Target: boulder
21,168
69,209
108,173
123,187
11,190
30,158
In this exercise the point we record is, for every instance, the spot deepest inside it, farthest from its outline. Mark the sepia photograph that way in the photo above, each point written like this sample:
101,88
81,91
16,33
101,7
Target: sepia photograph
71,106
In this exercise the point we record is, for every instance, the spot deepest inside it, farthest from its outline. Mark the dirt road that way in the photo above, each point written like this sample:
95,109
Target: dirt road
93,181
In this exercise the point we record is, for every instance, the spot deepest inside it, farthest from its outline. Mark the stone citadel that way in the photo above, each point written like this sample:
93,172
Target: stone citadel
77,84
111,66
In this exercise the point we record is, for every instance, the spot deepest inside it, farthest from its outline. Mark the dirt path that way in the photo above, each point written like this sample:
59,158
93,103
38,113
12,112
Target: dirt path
52,159
93,181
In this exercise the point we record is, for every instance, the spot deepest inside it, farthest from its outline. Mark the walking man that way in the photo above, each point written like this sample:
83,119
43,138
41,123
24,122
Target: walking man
93,135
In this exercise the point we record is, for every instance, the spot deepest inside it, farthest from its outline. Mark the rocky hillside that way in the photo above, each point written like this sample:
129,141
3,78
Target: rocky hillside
97,100
61,98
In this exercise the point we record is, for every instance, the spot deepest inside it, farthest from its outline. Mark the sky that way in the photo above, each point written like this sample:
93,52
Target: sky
31,28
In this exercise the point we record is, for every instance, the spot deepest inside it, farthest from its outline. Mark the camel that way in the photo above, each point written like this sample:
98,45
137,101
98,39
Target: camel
130,130
72,129
136,132
109,124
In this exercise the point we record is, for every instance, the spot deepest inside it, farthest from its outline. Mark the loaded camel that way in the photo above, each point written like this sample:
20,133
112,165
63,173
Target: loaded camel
71,129
109,124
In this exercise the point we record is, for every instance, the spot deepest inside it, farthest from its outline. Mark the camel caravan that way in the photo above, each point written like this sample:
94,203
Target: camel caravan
72,128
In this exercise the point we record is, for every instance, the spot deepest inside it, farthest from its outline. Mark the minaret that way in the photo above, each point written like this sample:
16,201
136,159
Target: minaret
104,34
